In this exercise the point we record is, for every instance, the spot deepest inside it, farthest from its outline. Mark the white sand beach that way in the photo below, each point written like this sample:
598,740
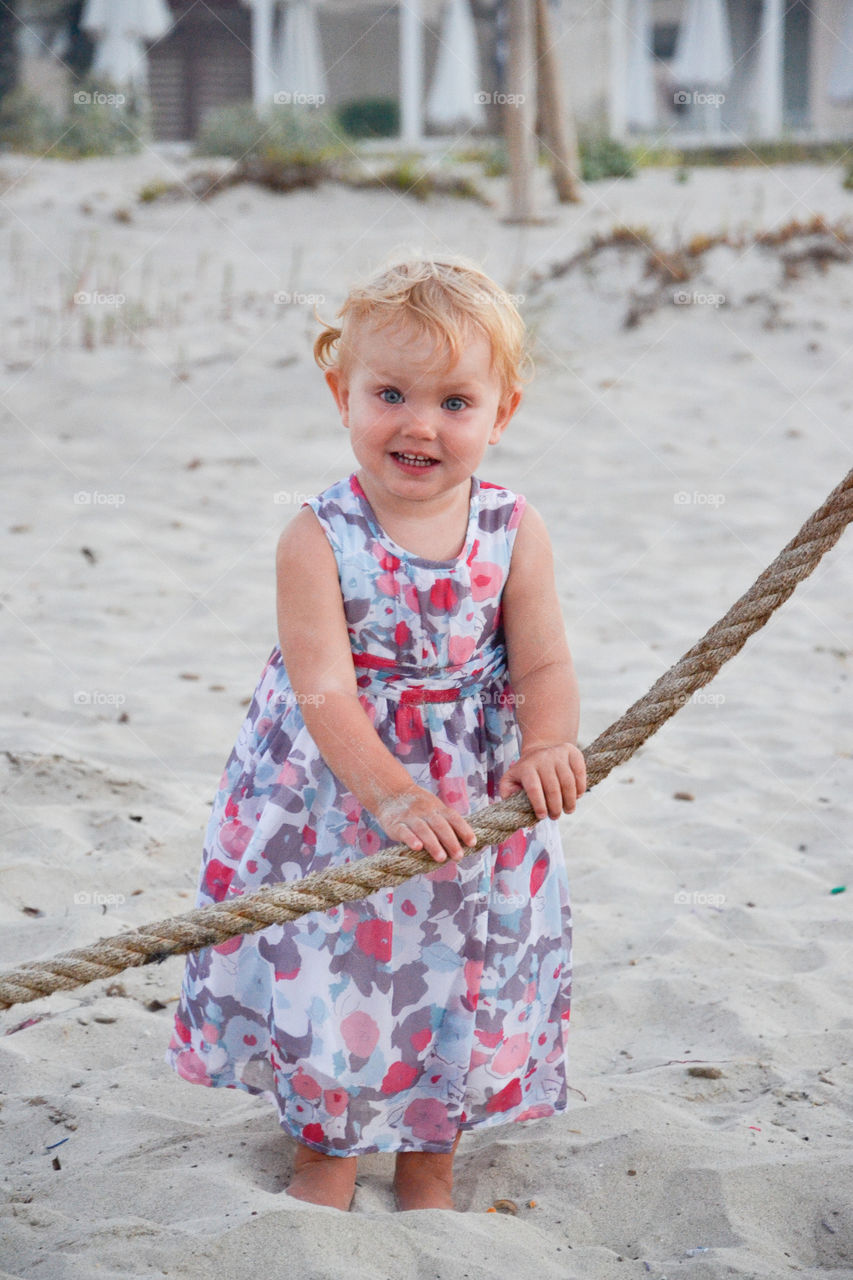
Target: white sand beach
150,462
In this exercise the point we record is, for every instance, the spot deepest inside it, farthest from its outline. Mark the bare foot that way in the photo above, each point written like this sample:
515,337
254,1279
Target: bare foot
424,1179
322,1179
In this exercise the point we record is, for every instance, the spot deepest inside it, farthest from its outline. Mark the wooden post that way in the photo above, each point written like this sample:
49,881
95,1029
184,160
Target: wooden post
520,111
263,81
558,124
411,72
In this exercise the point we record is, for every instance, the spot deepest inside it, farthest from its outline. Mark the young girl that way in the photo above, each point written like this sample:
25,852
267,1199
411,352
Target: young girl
422,672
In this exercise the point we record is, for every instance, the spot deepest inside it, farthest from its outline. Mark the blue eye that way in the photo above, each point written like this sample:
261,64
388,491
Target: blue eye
391,391
455,403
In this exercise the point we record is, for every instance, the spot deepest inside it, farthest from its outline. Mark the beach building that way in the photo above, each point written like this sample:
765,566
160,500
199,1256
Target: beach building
673,72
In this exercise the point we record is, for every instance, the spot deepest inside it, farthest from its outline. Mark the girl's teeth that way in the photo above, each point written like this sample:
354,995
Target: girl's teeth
415,459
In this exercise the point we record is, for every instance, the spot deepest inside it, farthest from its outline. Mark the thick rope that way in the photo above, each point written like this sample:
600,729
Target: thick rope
276,903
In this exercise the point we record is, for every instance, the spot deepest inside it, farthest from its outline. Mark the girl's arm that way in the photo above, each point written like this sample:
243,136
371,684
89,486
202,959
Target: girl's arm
551,767
317,655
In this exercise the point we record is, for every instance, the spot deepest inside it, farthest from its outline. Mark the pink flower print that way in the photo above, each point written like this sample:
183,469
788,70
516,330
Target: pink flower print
485,580
442,597
217,879
231,810
459,649
234,838
540,1111
517,512
190,1066
229,946
509,1097
287,774
369,841
410,596
387,585
336,1101
360,1033
398,1077
350,806
385,559
402,635
454,792
306,1086
538,873
440,762
428,1120
512,1054
313,1133
420,1039
374,938
491,1039
511,852
409,723
181,1034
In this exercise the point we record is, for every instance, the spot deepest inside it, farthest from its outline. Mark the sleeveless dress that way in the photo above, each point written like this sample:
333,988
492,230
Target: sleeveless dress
388,1023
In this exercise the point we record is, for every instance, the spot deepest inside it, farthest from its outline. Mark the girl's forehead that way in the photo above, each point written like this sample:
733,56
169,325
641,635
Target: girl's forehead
382,349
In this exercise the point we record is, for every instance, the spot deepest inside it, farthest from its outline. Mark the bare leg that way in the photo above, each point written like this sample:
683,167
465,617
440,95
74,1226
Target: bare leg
322,1179
424,1179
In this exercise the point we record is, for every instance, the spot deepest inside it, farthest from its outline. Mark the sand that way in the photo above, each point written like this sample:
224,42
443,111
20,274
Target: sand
150,462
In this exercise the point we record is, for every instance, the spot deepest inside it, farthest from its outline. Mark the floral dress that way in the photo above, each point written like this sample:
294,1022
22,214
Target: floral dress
389,1023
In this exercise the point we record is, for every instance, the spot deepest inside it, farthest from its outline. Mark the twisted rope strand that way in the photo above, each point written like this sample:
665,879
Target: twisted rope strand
277,903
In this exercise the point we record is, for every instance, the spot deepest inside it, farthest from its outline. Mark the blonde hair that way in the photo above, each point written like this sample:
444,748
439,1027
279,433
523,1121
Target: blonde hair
444,297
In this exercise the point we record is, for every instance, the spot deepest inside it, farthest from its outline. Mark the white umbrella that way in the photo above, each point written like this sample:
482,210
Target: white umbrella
703,54
121,28
456,83
640,109
840,87
297,58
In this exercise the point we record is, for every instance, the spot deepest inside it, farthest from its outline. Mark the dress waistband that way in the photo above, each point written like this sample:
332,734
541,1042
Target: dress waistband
408,688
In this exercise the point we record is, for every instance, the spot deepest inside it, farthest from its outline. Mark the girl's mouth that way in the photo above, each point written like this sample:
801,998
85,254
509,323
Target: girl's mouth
414,461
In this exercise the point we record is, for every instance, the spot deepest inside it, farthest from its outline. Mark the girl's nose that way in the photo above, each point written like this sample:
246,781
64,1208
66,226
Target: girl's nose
422,424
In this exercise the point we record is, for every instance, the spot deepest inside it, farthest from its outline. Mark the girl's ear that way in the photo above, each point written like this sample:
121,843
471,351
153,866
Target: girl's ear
506,409
337,384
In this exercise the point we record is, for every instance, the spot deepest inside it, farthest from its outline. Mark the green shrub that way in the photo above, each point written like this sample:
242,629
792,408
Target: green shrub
103,120
291,134
370,117
603,157
98,122
27,123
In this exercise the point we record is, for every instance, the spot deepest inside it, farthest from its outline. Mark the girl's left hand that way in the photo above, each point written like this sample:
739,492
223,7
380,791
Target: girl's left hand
553,777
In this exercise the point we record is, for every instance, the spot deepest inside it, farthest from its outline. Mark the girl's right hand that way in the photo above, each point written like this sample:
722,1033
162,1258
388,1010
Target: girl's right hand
422,821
